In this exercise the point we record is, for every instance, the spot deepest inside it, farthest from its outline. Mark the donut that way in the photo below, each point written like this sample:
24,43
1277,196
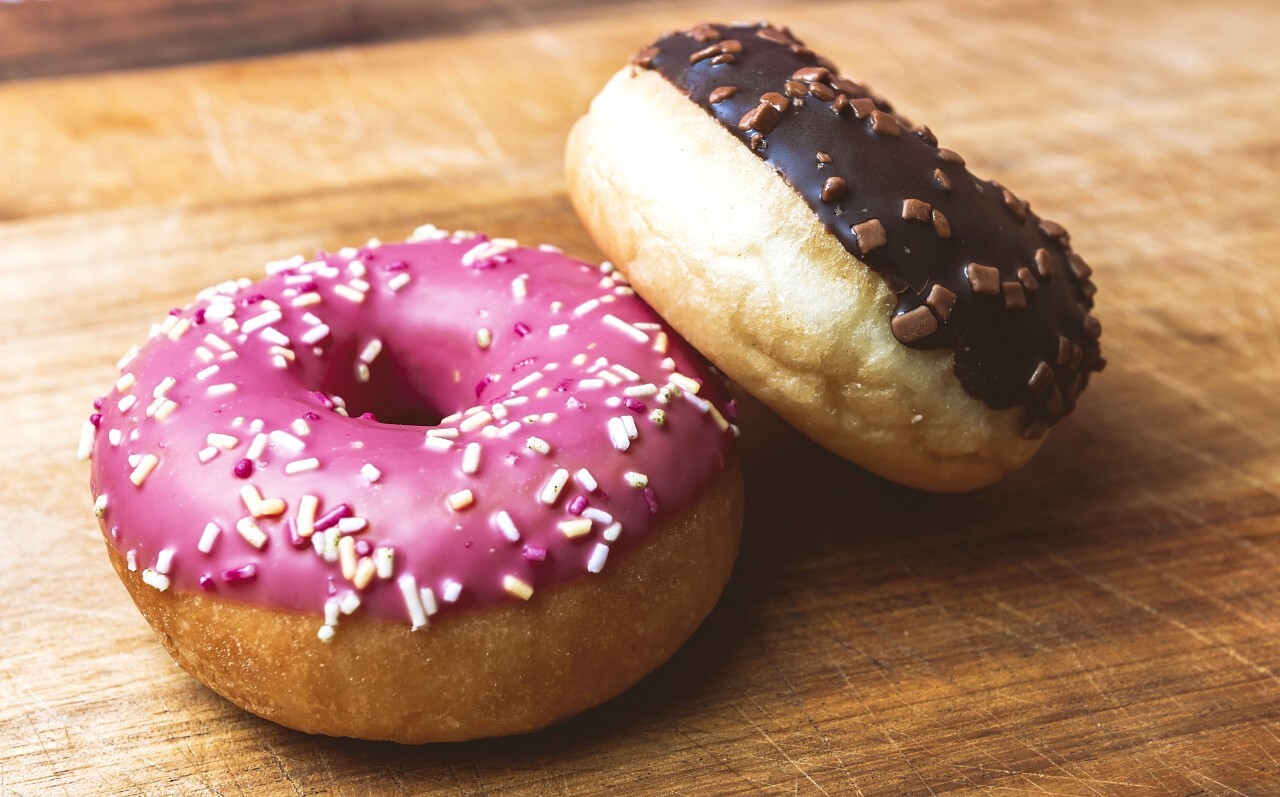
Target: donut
436,490
832,259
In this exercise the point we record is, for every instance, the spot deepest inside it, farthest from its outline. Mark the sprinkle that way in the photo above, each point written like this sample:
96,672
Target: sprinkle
87,433
273,335
131,557
618,434
221,389
439,444
412,601
651,499
126,382
629,424
224,441
251,533
347,557
461,500
127,358
598,556
158,580
352,525
528,379
308,299
164,561
575,528
586,307
114,436
243,468
577,505
447,432
256,448
534,553
370,473
365,571
701,404
260,321
558,330
330,519
520,286
551,491
207,372
283,439
611,534
144,468
639,336
163,387
473,422
301,465
307,515
233,575
348,293
640,391
611,378
100,505
484,338
315,334
428,596
636,480
125,404
590,384
508,429
684,383
325,633
517,587
208,537
371,351
625,372
658,416
506,525
349,603
538,444
451,590
584,478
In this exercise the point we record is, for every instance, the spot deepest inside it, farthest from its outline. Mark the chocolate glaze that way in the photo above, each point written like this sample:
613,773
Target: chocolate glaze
973,268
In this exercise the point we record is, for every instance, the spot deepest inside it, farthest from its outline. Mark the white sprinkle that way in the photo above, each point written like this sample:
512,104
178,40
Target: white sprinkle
611,533
658,416
588,482
131,557
684,383
163,387
360,284
473,422
590,384
509,428
331,612
461,500
586,307
208,537
315,334
352,525
507,526
276,266
636,480
229,326
528,379
442,432
300,427
301,466
428,596
629,423
471,458
577,527
221,389
166,408
348,293
125,404
128,358
450,590
538,444
87,434
251,533
611,377
499,411
114,436
598,515
598,556
625,372
126,382
558,330
308,299
520,286
640,391
435,443
207,453
347,557
639,336
398,281
164,561
517,587
256,448
551,491
100,505
660,343
203,354
207,372
153,579
618,434
283,439
134,459
371,351
483,338
144,468
668,364
261,321
384,560
702,404
350,602
325,633
412,601
370,473
306,520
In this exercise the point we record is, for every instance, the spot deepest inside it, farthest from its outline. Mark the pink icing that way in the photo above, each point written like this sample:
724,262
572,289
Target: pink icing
556,352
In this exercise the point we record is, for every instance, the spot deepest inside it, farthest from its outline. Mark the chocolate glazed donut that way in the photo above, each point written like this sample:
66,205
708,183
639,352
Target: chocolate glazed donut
971,270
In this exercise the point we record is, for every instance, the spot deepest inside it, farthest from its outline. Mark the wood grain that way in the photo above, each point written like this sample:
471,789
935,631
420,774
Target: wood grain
1106,622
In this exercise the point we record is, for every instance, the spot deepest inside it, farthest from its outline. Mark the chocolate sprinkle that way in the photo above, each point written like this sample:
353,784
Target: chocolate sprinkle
723,93
982,278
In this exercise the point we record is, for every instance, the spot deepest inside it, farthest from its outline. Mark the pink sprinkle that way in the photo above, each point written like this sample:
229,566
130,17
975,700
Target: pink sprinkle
198,317
97,403
563,385
233,575
175,311
578,504
96,419
651,498
633,404
525,363
731,410
363,548
512,458
395,265
252,299
243,469
323,399
330,519
295,539
534,553
310,416
522,329
365,256
206,582
333,587
367,416
308,287
484,383
574,403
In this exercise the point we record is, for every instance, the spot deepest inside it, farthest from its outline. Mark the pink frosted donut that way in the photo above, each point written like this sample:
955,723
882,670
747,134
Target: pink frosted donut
435,490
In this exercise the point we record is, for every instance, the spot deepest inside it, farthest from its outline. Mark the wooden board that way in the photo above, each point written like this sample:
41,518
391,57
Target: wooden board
1106,622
